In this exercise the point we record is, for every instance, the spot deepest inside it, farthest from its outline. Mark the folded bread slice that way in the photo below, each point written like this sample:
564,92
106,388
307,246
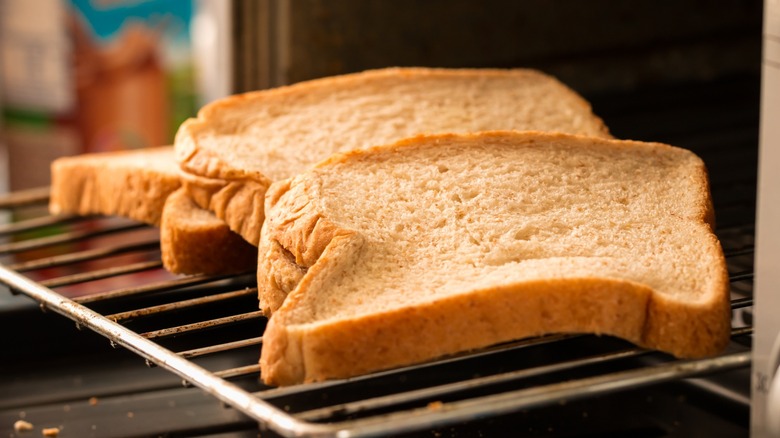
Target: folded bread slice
136,184
442,244
237,146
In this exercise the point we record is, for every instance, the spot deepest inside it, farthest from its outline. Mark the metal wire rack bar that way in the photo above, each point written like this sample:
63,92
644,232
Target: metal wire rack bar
153,310
84,256
101,274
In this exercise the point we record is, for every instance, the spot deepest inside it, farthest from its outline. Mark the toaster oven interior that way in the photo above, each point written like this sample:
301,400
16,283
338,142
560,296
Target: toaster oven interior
65,375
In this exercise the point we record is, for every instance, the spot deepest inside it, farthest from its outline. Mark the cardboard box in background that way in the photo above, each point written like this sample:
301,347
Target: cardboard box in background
97,75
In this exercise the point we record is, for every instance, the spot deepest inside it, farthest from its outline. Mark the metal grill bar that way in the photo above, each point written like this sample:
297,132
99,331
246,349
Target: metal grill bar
748,250
23,198
238,372
741,276
147,311
101,274
67,237
163,286
36,223
740,303
221,347
83,256
202,325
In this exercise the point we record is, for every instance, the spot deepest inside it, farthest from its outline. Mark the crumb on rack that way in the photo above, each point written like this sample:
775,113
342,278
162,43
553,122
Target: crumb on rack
93,401
51,432
435,405
22,426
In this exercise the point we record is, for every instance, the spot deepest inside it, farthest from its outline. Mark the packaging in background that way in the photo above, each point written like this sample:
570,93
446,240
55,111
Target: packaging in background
81,76
98,75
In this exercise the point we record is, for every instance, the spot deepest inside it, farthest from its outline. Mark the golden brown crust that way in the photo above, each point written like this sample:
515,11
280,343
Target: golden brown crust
238,202
296,350
291,242
102,183
195,242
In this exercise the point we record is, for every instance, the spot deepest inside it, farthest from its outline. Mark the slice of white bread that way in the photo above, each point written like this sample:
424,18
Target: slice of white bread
132,184
136,184
237,146
442,244
194,241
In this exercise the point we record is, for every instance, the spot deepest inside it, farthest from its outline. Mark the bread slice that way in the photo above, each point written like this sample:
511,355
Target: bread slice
136,184
132,184
441,244
194,241
237,146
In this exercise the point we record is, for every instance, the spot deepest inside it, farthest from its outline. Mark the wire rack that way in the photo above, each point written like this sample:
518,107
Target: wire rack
105,274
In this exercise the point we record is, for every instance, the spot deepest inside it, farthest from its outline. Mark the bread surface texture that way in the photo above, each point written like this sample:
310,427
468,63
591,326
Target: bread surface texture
132,184
442,244
194,241
238,146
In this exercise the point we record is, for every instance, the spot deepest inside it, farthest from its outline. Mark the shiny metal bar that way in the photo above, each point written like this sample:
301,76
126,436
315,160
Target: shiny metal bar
740,303
238,372
741,276
162,286
202,325
67,237
36,223
748,250
227,346
101,274
83,256
21,198
146,311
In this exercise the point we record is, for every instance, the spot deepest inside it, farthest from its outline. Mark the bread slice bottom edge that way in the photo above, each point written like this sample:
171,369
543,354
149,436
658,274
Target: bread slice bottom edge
309,352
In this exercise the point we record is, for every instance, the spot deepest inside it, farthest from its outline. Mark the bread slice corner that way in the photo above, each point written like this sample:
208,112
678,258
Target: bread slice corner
194,241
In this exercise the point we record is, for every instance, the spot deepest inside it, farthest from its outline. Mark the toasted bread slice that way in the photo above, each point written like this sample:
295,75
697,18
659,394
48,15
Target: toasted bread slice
442,244
132,184
194,241
136,184
237,146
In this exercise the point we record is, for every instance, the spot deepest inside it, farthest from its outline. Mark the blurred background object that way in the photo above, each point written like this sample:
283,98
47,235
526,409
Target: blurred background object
95,75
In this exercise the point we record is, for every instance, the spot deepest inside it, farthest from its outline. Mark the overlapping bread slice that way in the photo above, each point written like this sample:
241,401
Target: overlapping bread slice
237,146
441,244
194,241
132,184
137,184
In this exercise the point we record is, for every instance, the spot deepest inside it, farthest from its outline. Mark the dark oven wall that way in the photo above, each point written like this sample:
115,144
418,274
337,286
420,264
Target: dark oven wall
595,46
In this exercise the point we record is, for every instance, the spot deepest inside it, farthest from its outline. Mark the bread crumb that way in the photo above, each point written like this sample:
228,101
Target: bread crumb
51,432
435,405
130,414
22,426
93,401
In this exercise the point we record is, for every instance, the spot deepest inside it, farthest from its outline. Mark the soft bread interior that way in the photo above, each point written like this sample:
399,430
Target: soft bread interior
454,219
